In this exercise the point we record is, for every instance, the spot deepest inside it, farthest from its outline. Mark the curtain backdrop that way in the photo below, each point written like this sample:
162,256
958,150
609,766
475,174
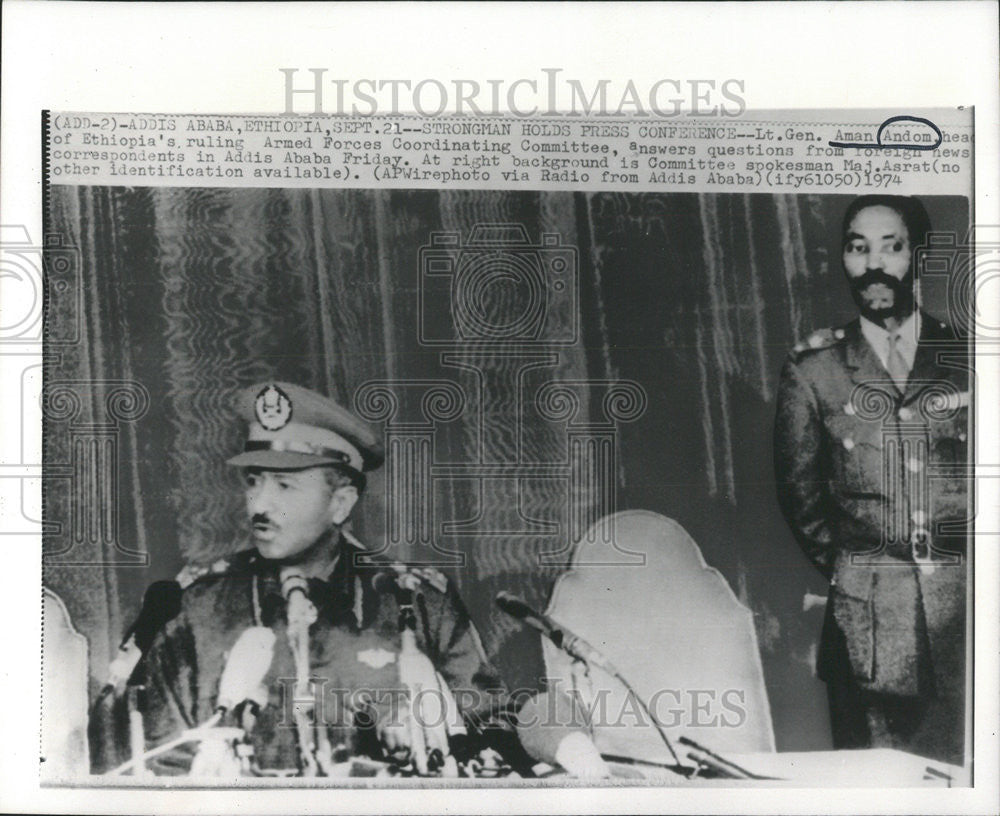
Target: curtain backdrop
189,294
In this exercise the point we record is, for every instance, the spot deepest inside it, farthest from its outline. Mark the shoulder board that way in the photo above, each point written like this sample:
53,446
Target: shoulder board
410,574
414,577
431,576
195,572
821,339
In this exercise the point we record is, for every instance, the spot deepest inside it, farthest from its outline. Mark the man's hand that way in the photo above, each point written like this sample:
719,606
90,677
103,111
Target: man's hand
395,732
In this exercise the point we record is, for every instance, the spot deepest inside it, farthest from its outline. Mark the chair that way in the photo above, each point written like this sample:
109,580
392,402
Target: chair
64,694
673,628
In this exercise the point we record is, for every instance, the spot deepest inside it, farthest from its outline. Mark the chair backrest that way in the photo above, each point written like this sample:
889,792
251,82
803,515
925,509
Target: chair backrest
673,628
64,694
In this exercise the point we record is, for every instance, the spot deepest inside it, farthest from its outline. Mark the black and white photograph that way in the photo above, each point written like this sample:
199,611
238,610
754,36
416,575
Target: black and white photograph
498,485
491,440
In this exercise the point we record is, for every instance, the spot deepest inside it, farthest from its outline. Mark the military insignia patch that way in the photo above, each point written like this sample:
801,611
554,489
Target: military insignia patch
376,658
273,408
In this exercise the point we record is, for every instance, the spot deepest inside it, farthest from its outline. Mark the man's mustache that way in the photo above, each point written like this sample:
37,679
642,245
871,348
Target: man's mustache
876,276
262,518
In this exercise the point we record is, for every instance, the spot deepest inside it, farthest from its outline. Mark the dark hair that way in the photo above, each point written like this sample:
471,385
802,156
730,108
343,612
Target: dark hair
337,477
914,216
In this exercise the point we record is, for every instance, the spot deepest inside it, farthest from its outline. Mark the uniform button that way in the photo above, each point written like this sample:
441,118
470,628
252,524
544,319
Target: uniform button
839,334
914,465
816,341
962,437
905,414
919,517
848,443
849,409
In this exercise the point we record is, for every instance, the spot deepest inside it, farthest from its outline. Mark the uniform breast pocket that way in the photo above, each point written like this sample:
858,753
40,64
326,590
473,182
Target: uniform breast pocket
950,451
855,448
950,438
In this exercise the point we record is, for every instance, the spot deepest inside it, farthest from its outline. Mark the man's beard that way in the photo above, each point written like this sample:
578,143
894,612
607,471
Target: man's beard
878,304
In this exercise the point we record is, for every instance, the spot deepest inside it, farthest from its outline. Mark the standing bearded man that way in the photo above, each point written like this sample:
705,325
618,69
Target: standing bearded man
871,460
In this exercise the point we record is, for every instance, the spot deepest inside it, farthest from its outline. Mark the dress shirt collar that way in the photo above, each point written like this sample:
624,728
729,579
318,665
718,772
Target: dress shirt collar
908,337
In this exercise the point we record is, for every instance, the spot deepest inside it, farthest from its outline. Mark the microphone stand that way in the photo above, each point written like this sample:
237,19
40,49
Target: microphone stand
583,686
721,766
660,730
429,744
191,735
580,652
407,654
223,751
136,731
301,615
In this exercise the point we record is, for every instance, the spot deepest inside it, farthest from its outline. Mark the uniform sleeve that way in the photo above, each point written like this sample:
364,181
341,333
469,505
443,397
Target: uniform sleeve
460,659
803,489
171,695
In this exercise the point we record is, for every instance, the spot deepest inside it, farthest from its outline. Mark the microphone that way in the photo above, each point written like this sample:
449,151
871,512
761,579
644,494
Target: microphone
403,586
434,716
292,582
243,677
386,583
160,605
575,646
295,590
553,730
302,614
242,681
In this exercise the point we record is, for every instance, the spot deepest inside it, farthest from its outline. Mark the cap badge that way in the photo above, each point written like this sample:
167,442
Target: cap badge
273,408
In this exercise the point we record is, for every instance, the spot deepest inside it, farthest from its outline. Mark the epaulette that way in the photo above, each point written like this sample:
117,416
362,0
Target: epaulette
409,574
431,576
413,577
194,572
820,339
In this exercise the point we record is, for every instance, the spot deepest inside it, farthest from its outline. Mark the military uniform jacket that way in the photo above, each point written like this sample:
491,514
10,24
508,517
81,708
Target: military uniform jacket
354,646
873,483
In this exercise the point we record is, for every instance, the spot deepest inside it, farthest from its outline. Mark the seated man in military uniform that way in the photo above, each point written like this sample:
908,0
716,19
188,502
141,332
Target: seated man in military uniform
344,622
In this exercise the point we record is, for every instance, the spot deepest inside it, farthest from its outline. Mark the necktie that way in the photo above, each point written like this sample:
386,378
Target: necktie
896,363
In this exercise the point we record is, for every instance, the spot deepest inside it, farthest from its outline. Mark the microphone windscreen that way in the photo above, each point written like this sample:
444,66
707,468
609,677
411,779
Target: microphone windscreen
248,662
385,582
160,605
518,608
